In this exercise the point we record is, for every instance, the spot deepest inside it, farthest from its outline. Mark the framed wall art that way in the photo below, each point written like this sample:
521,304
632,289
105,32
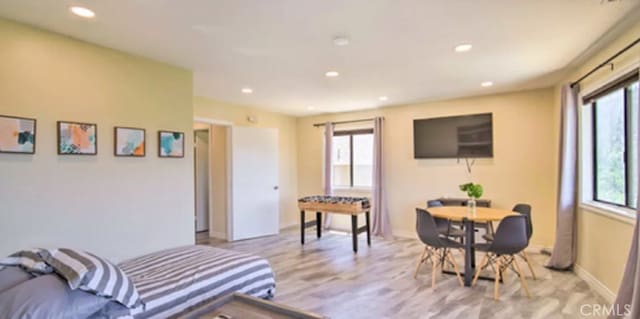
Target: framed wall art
129,141
170,144
17,135
77,138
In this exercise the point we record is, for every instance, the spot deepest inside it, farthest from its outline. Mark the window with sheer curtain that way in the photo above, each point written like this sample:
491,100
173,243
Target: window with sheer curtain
614,115
352,159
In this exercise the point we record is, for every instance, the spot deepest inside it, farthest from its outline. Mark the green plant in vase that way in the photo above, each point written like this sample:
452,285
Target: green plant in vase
474,192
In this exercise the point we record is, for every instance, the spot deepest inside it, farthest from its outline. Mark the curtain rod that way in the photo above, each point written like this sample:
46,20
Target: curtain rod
605,63
345,122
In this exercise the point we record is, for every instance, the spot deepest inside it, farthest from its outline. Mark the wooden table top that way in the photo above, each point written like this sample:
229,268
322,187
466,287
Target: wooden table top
457,213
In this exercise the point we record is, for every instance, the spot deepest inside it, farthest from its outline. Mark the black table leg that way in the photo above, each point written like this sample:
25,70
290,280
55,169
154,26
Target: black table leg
469,252
319,224
469,255
354,232
302,226
368,229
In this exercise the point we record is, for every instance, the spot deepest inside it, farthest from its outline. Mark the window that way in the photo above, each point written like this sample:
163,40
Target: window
352,158
615,149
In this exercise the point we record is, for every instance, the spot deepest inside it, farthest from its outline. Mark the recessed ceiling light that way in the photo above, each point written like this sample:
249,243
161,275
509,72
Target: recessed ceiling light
82,12
332,74
383,98
486,83
463,47
341,41
247,90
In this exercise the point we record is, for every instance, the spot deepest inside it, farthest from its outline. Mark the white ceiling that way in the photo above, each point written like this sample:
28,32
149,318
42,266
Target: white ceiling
281,49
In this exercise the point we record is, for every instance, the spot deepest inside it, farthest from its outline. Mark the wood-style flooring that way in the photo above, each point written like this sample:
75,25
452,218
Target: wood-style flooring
326,277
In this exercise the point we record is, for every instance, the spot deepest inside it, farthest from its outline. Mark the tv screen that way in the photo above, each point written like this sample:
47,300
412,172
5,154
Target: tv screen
453,137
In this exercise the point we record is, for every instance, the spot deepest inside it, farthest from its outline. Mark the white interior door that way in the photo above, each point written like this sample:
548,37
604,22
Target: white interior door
255,205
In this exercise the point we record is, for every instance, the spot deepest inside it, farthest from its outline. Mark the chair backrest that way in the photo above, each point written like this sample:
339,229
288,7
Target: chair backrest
482,203
427,229
525,209
511,236
434,203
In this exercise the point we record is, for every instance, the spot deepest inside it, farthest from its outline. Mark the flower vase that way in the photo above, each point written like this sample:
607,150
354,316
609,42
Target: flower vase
471,204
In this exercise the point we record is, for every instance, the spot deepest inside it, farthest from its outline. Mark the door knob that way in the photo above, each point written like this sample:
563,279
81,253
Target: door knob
275,188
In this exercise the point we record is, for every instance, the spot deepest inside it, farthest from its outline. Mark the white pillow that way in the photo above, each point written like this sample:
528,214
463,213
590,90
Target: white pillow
94,274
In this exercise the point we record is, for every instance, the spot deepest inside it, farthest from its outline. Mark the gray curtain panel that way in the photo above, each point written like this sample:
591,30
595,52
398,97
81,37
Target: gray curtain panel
381,225
628,299
564,249
328,168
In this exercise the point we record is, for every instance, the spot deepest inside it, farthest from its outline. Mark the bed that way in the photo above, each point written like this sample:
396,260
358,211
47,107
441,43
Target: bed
175,280
167,283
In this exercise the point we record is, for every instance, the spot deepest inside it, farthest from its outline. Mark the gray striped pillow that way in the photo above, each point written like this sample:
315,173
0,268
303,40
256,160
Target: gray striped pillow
28,260
88,272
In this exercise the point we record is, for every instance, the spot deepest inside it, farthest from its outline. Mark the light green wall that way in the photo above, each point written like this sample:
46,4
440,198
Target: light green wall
115,207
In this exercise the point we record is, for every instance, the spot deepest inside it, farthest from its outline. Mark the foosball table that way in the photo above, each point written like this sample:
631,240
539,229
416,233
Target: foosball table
353,206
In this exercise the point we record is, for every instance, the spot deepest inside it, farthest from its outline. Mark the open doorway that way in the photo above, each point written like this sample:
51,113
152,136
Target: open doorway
210,180
201,177
242,175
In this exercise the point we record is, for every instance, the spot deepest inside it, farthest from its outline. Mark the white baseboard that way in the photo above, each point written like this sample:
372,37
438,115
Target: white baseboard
410,234
595,284
535,248
289,225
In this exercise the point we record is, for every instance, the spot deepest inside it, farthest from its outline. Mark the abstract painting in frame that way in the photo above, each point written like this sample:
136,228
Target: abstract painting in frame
77,138
17,135
129,142
170,144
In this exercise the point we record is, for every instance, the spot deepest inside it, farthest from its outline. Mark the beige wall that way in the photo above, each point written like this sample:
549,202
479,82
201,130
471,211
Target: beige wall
286,125
523,168
219,183
603,247
115,207
603,242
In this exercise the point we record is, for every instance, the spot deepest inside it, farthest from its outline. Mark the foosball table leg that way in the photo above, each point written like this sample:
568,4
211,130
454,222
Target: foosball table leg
368,229
319,224
354,232
302,226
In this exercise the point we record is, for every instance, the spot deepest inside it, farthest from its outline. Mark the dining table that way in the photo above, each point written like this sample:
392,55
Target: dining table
469,218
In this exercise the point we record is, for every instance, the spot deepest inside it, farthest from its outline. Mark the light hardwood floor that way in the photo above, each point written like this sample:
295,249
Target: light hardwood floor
326,277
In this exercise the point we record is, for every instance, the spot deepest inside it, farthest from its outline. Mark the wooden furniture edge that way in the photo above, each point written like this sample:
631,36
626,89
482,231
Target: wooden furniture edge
333,208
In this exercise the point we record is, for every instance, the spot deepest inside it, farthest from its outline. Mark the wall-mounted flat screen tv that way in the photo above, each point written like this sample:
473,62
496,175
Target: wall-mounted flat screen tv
466,136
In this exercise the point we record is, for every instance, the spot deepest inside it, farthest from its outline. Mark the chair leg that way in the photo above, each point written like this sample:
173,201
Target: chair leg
420,261
455,268
496,284
483,264
443,257
435,263
526,259
503,270
521,275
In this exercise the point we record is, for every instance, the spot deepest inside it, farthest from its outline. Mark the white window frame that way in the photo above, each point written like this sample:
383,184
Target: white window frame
351,133
585,152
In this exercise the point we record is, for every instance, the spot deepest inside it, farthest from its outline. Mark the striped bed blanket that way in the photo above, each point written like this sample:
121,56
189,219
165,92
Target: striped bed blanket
176,280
